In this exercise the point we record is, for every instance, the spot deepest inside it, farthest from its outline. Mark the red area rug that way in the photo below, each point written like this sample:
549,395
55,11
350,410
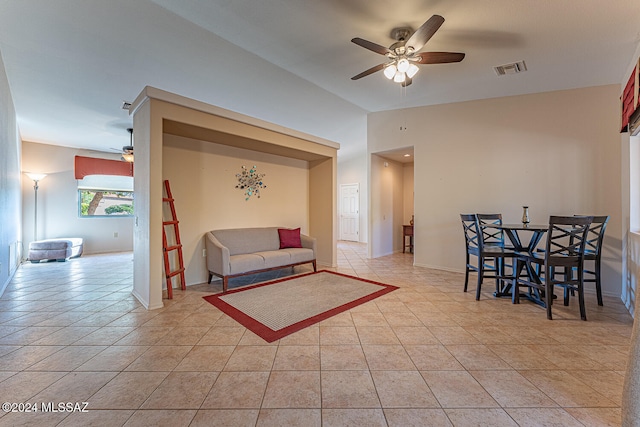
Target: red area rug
275,309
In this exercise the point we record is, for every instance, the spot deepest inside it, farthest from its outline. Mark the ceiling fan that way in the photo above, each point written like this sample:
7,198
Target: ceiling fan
127,150
404,55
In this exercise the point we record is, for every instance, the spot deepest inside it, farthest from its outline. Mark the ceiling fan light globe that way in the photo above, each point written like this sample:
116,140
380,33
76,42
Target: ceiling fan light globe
399,77
403,65
390,71
412,70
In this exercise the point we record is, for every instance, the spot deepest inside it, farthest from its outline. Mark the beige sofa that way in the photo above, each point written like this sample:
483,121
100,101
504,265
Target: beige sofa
242,251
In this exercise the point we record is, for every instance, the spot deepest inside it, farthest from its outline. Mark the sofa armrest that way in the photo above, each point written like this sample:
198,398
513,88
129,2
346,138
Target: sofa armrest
217,256
309,243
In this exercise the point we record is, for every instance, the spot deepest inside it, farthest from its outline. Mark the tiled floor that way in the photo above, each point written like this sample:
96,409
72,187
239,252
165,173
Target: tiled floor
426,354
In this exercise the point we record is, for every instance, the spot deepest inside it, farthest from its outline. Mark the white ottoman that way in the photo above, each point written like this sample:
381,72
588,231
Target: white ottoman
60,249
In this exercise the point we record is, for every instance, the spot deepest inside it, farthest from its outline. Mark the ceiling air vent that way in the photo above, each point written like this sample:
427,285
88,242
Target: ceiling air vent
513,68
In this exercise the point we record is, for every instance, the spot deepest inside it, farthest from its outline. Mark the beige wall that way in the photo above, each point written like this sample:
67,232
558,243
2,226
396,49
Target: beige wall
202,176
407,191
557,152
58,202
387,206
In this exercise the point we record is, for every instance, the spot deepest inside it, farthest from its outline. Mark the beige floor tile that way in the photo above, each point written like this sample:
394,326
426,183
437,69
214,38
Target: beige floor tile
306,336
225,418
597,417
289,418
353,417
387,358
184,335
249,338
567,390
181,390
411,335
251,358
458,389
565,358
337,335
222,335
377,335
417,418
403,389
67,359
105,336
607,383
160,358
369,319
477,356
66,336
534,417
297,358
24,357
449,335
75,387
14,419
157,417
24,385
348,389
432,357
235,390
293,389
510,389
480,417
29,335
342,358
144,335
128,390
521,356
115,358
206,358
340,319
102,418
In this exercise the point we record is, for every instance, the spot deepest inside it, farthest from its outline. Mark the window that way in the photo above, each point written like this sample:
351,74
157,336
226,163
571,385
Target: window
105,203
105,196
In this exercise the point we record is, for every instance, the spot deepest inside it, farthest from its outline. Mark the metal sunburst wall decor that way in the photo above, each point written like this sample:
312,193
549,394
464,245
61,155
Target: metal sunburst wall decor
250,181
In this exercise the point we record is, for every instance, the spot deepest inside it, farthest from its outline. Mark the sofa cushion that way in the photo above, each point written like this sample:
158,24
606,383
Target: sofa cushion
248,240
275,258
245,262
299,254
289,238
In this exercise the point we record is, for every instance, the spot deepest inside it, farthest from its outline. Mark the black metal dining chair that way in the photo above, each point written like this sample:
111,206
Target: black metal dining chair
490,254
566,240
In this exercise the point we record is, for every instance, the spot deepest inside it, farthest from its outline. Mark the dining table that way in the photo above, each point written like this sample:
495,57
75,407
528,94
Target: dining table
525,239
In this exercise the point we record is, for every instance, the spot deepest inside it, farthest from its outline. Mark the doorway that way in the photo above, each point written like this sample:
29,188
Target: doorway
350,212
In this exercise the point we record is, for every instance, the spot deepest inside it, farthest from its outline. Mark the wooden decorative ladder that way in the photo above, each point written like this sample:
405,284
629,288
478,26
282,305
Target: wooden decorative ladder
176,246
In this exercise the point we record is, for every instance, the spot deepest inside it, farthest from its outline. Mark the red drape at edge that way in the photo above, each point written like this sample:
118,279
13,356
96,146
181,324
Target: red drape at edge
93,166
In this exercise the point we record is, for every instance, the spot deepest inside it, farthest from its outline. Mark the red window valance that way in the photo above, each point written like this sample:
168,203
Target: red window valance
93,166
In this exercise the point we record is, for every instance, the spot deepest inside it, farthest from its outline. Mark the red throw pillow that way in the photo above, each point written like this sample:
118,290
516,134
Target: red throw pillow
289,238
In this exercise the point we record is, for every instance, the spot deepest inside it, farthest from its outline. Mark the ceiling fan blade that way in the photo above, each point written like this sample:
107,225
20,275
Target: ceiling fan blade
371,46
369,71
438,57
425,32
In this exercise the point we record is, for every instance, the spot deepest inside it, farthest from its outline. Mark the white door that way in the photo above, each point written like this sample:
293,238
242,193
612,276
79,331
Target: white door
349,212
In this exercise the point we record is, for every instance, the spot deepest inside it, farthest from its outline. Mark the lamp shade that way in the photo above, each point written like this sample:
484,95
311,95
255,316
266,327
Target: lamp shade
36,176
412,70
399,77
403,65
390,71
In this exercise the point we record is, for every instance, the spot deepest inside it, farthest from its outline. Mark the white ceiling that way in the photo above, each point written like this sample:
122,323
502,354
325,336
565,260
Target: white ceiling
71,63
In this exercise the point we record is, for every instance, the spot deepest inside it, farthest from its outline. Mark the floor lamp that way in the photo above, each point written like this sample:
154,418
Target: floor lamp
35,177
